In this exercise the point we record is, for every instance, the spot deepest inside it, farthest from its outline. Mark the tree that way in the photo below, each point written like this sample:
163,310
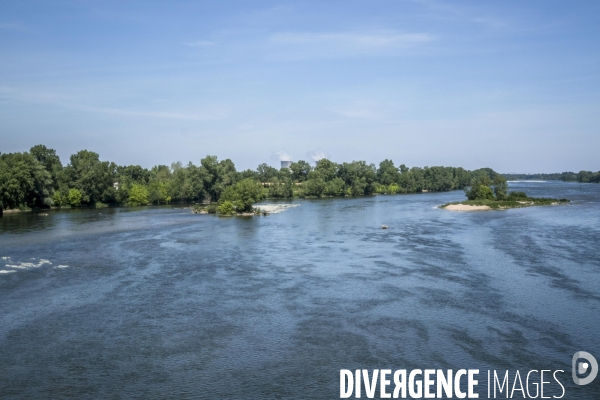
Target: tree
266,172
326,169
480,192
219,175
92,177
280,189
300,170
315,185
138,195
24,182
334,187
243,195
387,173
500,187
74,197
159,192
51,162
358,176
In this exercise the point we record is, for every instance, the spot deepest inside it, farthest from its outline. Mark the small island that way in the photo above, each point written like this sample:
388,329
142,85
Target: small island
485,194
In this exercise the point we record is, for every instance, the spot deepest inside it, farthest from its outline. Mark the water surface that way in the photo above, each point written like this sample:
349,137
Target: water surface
157,302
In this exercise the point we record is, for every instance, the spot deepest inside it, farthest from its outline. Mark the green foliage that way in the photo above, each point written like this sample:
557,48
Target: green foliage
387,173
92,177
300,170
211,209
159,192
59,199
100,205
334,187
74,197
480,192
315,185
266,173
24,182
280,189
138,195
51,162
226,208
581,176
243,195
518,202
37,179
516,196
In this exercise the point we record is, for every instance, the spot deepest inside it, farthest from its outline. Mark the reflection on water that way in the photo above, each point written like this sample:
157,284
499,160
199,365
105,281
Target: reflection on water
160,303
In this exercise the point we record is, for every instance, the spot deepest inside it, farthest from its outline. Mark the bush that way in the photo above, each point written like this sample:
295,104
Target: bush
74,197
480,192
138,195
100,205
211,208
59,199
226,208
242,195
517,195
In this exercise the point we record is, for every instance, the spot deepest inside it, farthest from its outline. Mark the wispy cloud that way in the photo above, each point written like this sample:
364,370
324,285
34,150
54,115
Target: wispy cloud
60,100
148,114
357,40
345,44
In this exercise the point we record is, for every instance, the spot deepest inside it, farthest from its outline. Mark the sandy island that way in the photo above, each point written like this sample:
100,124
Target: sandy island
465,207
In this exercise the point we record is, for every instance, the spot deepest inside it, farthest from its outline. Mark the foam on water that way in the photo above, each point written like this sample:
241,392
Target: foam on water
20,265
27,265
276,208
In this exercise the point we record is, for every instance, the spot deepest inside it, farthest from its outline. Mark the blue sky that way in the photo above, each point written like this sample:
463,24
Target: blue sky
513,85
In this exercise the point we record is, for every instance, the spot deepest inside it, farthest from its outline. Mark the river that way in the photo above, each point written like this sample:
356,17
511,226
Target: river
157,302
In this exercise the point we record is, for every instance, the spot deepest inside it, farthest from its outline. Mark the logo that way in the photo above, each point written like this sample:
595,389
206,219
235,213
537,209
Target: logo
581,367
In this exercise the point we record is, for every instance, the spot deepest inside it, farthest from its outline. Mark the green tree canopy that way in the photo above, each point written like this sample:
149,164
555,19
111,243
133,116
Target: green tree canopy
138,195
243,194
300,170
92,177
24,182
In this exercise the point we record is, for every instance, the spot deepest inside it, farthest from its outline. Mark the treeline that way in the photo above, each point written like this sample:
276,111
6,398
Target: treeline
581,176
38,179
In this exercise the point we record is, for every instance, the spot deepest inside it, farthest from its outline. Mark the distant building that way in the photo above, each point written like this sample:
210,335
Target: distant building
286,164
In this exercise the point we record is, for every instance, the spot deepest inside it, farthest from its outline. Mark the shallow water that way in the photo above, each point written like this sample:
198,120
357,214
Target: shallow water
157,302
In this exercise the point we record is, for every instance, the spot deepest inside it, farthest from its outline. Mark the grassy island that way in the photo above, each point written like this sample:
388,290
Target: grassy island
481,197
